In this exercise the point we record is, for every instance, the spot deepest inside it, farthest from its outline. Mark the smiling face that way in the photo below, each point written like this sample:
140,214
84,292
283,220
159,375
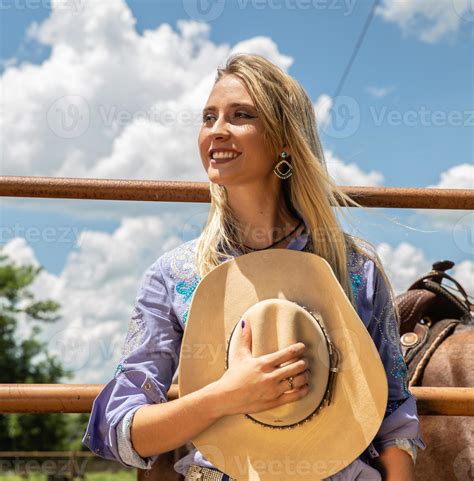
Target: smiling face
231,123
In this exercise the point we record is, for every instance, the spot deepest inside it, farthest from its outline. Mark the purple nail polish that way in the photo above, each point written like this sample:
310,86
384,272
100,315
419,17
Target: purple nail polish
243,323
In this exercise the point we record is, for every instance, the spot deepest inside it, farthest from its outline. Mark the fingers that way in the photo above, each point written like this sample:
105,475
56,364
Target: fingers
292,369
289,353
289,396
298,382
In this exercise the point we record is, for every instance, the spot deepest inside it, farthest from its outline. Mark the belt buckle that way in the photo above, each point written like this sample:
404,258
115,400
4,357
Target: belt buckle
195,473
195,476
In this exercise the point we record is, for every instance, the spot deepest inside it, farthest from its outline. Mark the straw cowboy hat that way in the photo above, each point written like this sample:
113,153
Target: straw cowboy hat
287,296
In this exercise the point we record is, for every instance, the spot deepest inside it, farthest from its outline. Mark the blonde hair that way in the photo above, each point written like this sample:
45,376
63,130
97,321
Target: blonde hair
288,116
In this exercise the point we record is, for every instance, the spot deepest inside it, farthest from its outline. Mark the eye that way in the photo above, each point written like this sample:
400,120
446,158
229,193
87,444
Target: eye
205,117
243,113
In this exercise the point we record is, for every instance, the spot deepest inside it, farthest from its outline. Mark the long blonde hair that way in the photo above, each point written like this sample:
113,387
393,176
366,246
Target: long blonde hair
289,118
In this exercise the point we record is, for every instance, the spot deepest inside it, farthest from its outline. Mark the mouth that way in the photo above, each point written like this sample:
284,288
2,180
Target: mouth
223,157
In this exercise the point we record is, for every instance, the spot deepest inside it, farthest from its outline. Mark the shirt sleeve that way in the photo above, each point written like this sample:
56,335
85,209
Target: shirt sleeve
149,359
400,426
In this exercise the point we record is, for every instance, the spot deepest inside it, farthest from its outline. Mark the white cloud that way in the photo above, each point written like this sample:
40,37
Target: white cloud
464,274
322,109
379,92
457,177
430,21
110,102
266,47
96,290
351,174
20,252
405,263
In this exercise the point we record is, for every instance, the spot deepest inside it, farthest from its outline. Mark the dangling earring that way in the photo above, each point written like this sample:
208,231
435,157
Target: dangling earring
276,170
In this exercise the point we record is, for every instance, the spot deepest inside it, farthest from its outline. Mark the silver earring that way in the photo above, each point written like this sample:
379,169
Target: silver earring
289,171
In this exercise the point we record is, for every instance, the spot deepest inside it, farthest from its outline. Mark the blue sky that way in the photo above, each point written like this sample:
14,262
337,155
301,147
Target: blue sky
404,118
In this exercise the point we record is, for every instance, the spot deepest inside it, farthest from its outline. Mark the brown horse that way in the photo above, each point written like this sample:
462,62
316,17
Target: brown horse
437,336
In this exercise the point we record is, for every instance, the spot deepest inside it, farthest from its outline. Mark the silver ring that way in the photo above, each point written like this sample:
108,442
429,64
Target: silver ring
290,381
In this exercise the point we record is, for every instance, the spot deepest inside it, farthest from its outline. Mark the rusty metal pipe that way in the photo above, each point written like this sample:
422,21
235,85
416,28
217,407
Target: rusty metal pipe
174,191
78,398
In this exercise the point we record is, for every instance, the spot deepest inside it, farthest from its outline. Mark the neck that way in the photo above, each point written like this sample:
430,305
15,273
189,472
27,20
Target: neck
263,214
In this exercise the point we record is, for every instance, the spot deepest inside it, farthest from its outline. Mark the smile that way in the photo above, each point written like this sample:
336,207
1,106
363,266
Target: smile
223,157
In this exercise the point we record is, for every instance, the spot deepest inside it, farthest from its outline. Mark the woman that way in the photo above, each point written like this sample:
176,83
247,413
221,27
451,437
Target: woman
269,189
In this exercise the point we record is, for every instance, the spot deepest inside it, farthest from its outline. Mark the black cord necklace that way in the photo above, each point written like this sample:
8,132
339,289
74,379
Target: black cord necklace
279,240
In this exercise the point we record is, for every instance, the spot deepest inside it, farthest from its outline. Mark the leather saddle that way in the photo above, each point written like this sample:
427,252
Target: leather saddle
429,313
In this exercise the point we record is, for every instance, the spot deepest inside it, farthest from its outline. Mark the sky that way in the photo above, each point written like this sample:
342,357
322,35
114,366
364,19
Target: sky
113,89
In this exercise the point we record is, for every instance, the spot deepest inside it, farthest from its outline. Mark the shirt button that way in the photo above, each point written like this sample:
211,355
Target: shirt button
88,437
147,386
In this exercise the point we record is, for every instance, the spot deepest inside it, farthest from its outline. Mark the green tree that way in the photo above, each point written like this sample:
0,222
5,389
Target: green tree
27,361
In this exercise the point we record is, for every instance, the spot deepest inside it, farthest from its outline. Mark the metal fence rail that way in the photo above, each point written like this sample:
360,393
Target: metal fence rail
78,398
173,191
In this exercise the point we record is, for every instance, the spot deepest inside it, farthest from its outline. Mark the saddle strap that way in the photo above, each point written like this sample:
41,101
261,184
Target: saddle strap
418,346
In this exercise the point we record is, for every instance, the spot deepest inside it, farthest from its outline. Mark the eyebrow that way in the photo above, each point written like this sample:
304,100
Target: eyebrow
234,104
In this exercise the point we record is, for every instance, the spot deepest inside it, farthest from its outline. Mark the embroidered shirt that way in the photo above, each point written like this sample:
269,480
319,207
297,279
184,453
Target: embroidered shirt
150,357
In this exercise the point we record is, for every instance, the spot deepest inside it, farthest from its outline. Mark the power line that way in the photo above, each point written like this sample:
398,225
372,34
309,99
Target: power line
356,48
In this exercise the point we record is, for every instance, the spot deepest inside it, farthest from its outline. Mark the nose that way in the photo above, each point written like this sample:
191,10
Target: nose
219,129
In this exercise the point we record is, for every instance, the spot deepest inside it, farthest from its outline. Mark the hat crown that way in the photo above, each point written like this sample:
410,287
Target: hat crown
275,324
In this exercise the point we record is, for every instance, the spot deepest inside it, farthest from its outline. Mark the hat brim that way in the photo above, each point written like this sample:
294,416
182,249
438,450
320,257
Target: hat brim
340,432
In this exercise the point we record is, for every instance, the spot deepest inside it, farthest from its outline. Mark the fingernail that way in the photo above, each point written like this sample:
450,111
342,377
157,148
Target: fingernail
243,323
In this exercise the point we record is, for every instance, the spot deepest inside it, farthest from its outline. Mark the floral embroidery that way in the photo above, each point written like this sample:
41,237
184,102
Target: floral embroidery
135,333
399,370
184,273
119,369
186,289
387,326
356,283
182,264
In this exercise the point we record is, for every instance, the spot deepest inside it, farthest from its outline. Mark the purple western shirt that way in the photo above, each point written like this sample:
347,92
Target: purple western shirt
150,356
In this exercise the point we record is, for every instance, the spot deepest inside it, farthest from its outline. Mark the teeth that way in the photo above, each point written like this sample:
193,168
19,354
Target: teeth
224,155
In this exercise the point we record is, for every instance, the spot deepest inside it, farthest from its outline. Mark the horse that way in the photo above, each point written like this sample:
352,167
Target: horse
437,339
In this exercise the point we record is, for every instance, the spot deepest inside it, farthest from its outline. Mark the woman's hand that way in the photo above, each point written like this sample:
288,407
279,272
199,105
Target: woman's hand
254,384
